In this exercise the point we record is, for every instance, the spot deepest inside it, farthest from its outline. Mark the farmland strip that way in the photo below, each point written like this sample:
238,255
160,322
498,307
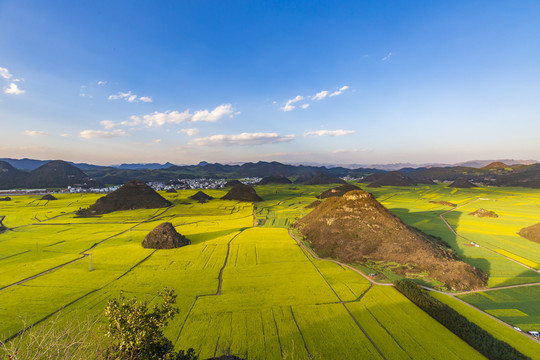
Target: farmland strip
388,332
364,331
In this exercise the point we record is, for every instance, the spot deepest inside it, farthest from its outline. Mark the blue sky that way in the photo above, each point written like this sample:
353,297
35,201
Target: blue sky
339,82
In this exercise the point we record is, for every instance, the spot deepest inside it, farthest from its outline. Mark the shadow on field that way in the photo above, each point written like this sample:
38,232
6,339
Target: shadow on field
430,223
207,236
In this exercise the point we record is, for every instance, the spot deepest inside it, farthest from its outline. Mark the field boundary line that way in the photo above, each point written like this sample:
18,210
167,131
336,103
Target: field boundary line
301,334
364,331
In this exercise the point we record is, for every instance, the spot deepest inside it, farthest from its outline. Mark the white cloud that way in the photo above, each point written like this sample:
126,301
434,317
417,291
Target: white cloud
242,139
90,134
214,115
387,57
130,97
13,89
156,141
320,95
65,135
304,106
288,105
108,124
176,117
35,133
5,73
329,132
101,82
189,132
161,118
339,91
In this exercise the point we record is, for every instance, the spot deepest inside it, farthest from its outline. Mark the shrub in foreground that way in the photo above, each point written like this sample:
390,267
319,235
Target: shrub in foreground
136,331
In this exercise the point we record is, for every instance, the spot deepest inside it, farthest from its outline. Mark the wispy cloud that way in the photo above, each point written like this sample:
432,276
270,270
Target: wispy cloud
5,73
339,91
387,57
189,132
101,82
242,139
90,134
130,97
288,105
35,133
329,132
345,151
320,95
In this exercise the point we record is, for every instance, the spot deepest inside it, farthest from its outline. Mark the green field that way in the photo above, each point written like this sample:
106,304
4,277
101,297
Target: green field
276,301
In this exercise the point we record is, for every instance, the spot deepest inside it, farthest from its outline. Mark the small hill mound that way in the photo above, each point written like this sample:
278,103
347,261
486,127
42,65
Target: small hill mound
232,183
531,233
373,177
462,183
313,204
48,197
447,203
338,191
394,178
164,236
321,179
171,191
132,195
7,198
497,165
242,192
356,228
275,179
11,177
56,174
484,213
201,197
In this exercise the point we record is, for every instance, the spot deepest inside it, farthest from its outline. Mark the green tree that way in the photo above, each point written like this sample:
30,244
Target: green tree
136,331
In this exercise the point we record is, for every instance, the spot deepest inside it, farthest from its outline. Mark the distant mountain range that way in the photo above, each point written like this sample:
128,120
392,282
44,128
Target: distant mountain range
23,173
31,164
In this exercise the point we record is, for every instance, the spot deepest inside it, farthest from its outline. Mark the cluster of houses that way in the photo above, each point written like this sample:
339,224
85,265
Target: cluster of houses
179,184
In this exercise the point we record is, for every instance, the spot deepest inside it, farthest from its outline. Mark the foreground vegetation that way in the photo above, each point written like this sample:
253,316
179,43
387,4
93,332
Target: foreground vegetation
250,291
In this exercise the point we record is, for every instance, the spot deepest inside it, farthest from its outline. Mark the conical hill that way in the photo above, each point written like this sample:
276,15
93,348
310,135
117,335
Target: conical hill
356,228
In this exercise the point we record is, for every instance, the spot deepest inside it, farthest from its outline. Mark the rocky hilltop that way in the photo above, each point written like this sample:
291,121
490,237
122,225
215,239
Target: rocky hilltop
275,179
134,194
531,233
322,179
164,236
242,192
462,183
356,228
338,191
